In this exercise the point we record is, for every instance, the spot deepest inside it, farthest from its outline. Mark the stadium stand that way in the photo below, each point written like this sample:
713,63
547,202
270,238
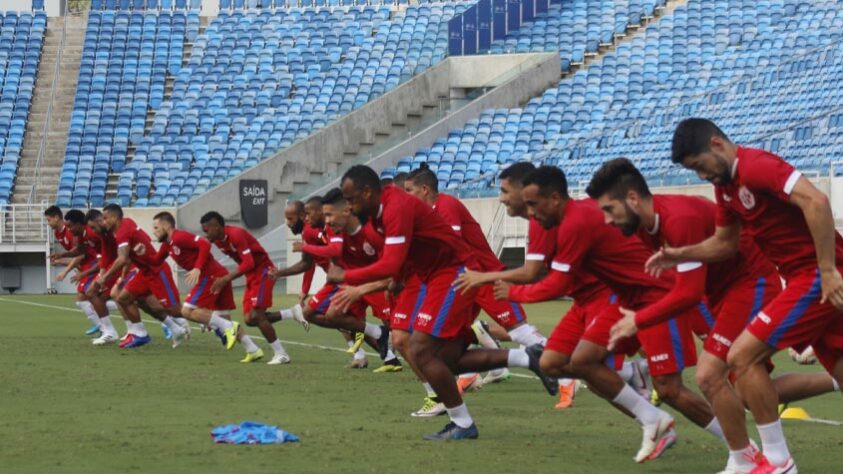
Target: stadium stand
757,68
125,62
256,81
21,41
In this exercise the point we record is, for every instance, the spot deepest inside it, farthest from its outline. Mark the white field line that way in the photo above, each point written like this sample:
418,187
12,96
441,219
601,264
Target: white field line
197,327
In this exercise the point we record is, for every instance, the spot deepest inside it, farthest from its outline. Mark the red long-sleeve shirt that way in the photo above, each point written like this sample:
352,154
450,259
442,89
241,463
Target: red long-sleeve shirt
688,220
585,244
457,216
415,237
189,251
244,249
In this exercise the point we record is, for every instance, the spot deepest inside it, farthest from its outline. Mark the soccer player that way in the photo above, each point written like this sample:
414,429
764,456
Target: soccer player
253,262
142,284
306,219
590,297
65,237
418,240
792,223
423,184
354,245
100,291
193,253
585,244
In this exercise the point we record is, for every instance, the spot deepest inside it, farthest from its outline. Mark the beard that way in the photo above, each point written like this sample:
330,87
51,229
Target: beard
298,227
164,237
630,227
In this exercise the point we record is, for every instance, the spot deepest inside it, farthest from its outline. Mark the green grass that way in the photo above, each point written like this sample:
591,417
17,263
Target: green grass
66,406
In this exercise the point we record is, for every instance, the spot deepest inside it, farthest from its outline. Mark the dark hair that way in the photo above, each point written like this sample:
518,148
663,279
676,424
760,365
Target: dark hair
692,137
362,176
314,201
516,172
423,176
212,216
53,211
166,217
399,179
549,179
297,205
333,197
75,216
114,209
616,177
92,215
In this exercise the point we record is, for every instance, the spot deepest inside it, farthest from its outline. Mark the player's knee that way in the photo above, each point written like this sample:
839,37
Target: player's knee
709,379
668,387
124,298
554,364
250,320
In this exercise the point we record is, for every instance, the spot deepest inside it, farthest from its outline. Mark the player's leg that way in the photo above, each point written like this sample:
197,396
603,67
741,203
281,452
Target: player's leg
84,303
670,348
135,287
795,386
97,297
793,318
589,362
257,298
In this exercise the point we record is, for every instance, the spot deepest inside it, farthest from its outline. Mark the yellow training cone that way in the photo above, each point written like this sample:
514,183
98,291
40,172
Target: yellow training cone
795,413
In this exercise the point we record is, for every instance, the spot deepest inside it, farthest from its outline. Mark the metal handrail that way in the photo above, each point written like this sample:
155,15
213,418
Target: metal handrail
42,149
22,215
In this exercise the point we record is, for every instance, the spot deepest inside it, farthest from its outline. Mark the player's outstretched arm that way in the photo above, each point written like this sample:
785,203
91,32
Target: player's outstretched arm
817,211
74,263
527,273
720,246
119,264
303,265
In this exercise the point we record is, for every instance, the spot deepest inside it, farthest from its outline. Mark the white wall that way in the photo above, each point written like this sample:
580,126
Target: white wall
16,5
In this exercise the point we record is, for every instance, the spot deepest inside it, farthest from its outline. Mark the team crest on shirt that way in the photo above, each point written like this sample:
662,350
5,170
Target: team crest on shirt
176,251
368,249
746,197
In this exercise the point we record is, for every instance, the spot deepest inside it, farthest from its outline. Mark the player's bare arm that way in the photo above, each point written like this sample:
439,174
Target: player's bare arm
527,273
123,259
303,265
74,263
817,211
348,295
720,246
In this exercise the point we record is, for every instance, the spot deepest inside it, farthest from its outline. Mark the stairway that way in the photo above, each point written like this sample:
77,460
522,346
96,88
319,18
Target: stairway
46,181
33,185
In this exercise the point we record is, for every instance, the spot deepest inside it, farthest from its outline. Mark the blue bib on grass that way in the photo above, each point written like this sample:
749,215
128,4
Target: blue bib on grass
250,432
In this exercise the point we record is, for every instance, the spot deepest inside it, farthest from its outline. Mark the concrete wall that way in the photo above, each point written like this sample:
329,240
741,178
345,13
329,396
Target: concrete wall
536,73
492,70
321,152
16,5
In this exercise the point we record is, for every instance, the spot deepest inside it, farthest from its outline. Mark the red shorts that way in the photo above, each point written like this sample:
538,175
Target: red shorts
669,346
445,312
506,313
567,333
258,293
379,304
159,283
735,309
200,296
407,305
85,283
583,314
322,300
795,318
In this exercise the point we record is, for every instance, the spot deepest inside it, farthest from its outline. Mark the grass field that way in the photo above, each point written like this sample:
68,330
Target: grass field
66,406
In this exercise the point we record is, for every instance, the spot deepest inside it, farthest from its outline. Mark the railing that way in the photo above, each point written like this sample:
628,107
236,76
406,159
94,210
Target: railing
23,223
42,148
494,236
